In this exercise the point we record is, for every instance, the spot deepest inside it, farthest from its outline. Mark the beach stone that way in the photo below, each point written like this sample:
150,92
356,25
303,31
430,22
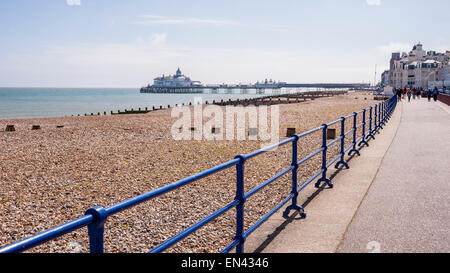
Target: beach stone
75,247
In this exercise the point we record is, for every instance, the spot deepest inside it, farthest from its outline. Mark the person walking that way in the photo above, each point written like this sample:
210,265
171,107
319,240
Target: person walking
399,94
419,93
429,95
414,93
435,93
409,93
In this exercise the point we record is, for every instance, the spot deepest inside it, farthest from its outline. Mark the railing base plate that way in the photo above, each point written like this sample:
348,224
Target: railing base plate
296,208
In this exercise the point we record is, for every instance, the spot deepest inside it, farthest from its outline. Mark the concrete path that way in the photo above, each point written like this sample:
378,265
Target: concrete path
407,208
330,211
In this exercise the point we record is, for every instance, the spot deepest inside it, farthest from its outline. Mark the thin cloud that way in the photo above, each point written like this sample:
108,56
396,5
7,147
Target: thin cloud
136,63
156,41
159,39
73,2
395,47
373,2
162,20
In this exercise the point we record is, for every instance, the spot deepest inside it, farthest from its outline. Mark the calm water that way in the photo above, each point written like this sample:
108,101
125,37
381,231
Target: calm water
58,102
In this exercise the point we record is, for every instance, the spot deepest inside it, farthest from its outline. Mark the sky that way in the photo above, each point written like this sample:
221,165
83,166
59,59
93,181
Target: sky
116,43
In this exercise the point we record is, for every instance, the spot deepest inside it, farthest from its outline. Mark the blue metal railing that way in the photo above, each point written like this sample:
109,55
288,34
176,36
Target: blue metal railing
96,217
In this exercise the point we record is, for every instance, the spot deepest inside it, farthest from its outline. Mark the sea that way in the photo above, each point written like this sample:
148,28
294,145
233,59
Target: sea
59,102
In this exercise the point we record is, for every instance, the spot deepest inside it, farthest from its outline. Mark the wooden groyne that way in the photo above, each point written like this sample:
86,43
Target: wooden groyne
281,99
266,100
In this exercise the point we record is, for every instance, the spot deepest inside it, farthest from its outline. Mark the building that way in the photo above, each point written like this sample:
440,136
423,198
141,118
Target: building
177,80
419,69
385,78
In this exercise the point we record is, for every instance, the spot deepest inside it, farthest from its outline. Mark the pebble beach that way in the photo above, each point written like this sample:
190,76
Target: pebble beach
53,175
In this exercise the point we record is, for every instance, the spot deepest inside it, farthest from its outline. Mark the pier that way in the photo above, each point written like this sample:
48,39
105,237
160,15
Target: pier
244,89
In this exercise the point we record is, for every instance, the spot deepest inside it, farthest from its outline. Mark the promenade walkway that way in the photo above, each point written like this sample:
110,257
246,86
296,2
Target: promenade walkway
407,208
329,211
394,198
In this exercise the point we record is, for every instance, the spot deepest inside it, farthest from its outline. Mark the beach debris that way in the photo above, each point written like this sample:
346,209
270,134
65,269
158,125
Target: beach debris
59,126
36,127
10,128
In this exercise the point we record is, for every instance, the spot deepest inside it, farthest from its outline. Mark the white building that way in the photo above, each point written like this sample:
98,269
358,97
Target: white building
419,69
177,80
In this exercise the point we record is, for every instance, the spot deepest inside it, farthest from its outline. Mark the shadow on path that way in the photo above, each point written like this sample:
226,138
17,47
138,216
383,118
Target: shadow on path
295,216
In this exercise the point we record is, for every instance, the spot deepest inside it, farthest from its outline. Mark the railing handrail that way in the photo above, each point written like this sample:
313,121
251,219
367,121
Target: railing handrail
96,217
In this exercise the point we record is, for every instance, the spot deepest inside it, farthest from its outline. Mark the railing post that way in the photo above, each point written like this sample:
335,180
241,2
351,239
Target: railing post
354,150
294,191
342,161
375,124
96,229
393,105
363,141
370,125
385,112
240,207
380,110
324,159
